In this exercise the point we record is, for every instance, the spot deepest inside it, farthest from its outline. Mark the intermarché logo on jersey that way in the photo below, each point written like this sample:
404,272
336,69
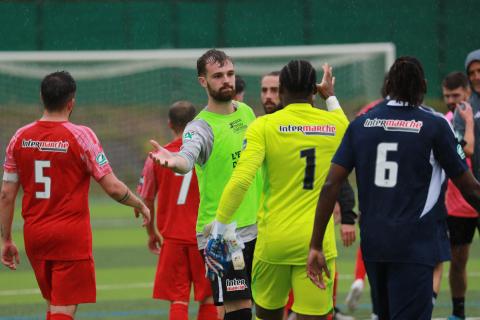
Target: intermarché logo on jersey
46,146
310,130
394,125
236,284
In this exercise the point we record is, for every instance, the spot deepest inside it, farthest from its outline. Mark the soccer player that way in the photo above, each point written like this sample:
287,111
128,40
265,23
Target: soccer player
269,94
52,160
294,146
180,264
398,150
213,143
461,216
240,87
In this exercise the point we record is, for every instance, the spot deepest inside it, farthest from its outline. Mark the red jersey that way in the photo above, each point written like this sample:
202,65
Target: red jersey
456,205
54,162
177,199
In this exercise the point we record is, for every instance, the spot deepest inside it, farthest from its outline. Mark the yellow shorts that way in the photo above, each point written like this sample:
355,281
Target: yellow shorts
271,284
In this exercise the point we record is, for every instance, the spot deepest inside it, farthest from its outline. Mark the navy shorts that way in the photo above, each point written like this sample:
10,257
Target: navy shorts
402,290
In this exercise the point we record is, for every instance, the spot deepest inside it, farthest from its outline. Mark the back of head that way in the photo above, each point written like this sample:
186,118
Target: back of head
455,80
298,77
56,90
471,57
406,81
181,113
240,84
211,56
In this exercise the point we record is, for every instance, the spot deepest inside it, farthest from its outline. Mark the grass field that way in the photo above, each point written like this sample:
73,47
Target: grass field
125,270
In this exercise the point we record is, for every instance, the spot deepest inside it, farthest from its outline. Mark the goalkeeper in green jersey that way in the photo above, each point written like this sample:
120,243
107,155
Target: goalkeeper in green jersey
213,143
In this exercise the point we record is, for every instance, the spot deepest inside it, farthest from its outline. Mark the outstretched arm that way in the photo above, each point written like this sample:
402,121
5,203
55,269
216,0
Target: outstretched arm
168,159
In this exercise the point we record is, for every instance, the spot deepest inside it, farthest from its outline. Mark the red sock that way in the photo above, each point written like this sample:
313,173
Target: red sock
60,316
48,315
178,311
359,266
207,311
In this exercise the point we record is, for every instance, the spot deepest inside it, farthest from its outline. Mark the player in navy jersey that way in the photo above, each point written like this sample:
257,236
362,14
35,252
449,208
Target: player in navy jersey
398,150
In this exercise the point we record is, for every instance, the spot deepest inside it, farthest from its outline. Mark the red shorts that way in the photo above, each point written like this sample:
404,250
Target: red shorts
178,267
64,283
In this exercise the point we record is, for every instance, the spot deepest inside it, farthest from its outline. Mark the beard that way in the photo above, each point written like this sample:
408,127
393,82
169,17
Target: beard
270,107
224,94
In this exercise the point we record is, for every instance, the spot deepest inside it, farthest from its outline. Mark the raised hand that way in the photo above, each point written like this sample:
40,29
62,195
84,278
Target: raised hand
327,86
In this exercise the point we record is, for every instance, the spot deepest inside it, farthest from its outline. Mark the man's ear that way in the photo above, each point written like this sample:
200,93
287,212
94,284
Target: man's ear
203,81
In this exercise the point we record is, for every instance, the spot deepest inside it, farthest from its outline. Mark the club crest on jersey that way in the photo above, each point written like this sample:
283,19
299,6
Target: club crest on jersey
412,126
310,130
236,284
101,159
46,146
188,135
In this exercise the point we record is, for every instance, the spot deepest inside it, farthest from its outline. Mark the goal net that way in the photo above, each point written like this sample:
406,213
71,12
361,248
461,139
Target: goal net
124,95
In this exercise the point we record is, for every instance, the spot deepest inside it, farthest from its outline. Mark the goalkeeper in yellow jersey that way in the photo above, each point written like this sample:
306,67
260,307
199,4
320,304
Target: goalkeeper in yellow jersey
295,146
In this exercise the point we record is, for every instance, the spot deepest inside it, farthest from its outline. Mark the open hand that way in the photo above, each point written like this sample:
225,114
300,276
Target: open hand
327,86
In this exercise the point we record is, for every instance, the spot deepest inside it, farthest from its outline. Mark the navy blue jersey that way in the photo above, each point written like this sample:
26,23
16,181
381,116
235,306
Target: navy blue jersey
399,152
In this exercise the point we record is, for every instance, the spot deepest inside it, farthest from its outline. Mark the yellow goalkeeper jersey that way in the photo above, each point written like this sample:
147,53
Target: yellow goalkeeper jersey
295,146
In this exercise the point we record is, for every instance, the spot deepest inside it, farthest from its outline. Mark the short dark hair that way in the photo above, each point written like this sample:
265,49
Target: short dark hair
455,80
181,113
406,81
211,56
57,89
240,84
272,74
298,77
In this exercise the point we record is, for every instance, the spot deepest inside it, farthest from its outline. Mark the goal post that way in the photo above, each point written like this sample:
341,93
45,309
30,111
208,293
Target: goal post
124,95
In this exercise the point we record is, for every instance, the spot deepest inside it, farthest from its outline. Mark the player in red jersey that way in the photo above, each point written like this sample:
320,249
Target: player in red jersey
53,159
180,264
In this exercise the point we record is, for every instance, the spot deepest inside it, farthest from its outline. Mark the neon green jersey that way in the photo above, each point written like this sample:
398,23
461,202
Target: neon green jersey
295,146
228,134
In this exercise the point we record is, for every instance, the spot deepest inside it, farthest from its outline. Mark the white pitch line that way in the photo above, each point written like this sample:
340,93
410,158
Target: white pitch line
105,287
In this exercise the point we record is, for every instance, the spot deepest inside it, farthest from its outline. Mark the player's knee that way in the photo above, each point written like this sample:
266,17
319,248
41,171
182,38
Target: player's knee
60,311
241,314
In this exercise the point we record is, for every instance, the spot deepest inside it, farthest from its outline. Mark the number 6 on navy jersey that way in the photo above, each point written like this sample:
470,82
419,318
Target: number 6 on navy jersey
386,171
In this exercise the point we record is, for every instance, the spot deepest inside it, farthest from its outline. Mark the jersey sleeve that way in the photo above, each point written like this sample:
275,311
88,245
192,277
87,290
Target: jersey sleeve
251,160
448,151
147,186
344,156
197,143
10,164
93,154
